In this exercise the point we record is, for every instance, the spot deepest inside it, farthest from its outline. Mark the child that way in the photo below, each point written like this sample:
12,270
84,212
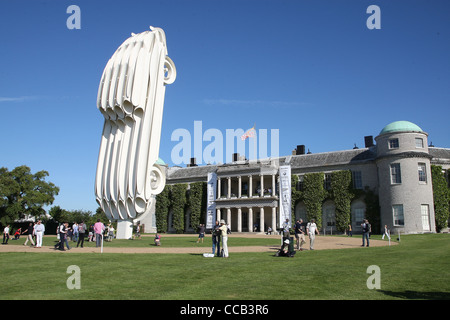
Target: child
157,240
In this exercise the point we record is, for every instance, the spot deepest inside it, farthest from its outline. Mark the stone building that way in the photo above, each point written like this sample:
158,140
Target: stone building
397,169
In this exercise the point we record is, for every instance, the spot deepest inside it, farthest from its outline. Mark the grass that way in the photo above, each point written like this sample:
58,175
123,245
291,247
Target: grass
417,268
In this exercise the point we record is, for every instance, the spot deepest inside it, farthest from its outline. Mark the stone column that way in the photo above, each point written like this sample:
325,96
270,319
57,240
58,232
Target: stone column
239,222
261,193
261,220
229,187
250,187
274,218
229,217
219,188
239,187
273,186
218,216
250,219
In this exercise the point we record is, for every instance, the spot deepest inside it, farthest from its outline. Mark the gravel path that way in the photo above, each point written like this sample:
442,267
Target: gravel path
321,243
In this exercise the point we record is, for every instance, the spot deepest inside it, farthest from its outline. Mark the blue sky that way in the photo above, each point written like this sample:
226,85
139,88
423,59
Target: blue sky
311,69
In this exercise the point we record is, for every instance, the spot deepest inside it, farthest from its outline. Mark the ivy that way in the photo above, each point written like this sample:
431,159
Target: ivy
313,195
196,197
162,208
341,193
296,195
178,200
372,202
441,197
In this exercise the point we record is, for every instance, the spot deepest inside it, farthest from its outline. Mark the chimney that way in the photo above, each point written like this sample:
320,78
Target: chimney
193,163
235,157
300,149
368,141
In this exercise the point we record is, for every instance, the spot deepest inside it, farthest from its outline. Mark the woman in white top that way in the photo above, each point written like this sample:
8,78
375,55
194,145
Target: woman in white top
224,229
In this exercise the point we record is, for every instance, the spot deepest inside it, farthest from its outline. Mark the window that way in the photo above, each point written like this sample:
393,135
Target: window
419,143
424,208
422,172
327,183
396,176
357,180
358,216
329,216
393,143
299,186
397,211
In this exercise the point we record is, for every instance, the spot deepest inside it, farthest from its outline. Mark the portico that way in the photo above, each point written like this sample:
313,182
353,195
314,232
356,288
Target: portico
247,201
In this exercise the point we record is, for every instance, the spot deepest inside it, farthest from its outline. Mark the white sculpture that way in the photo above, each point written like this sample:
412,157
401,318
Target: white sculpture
131,98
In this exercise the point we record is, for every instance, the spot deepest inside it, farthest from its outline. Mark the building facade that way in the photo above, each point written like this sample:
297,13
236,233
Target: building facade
397,169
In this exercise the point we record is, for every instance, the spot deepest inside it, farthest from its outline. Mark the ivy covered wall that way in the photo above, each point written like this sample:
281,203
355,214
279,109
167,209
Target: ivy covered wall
441,195
341,192
178,198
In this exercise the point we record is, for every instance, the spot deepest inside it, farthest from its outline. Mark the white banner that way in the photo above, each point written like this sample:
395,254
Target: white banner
211,204
285,195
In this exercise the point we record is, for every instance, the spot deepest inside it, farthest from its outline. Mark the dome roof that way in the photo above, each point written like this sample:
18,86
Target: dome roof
160,162
397,126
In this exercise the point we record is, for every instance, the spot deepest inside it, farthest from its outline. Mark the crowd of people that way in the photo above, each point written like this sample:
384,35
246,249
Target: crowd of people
98,232
34,232
77,232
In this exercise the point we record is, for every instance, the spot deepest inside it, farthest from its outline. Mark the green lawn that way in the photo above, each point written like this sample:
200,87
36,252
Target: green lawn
417,268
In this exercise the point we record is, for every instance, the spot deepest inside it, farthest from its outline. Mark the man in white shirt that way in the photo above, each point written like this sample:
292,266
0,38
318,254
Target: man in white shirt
6,234
39,230
311,228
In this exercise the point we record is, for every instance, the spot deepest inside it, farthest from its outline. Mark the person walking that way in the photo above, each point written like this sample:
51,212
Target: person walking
63,228
81,233
350,233
311,228
386,232
138,231
6,234
366,230
111,233
39,230
299,234
75,232
224,229
216,239
29,232
201,233
99,227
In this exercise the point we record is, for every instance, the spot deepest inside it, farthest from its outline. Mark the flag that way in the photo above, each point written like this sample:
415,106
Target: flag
250,133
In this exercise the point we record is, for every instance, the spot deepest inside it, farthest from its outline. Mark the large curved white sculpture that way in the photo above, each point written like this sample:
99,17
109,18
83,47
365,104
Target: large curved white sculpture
131,98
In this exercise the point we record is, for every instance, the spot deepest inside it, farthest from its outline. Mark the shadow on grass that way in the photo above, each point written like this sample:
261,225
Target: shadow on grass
408,294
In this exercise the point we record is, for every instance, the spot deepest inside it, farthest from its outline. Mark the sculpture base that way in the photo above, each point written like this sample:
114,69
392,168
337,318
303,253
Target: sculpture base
124,229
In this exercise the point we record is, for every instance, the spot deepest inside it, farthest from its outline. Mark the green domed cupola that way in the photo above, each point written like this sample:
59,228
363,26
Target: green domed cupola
398,126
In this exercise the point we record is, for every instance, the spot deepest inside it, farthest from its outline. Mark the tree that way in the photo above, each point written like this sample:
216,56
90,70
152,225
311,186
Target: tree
58,214
23,193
